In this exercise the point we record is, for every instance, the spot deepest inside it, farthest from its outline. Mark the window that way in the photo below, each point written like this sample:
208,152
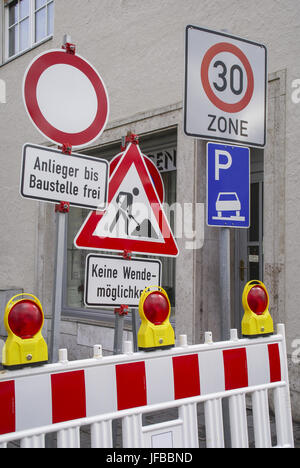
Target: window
27,22
162,150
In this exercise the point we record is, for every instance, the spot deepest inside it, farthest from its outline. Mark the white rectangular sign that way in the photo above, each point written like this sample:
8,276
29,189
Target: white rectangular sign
49,175
225,87
112,280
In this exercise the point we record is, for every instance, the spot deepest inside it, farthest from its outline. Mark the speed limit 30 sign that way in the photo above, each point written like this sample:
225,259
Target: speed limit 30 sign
225,87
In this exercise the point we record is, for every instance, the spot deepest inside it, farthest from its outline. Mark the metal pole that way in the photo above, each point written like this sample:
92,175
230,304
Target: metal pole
118,349
61,223
224,255
61,220
118,335
135,328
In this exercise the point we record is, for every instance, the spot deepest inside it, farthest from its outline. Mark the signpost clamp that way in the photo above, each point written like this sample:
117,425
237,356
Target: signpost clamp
66,148
129,138
69,48
127,254
122,310
62,207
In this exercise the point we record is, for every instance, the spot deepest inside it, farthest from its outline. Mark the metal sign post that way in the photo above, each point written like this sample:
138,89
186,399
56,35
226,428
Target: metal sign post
61,219
61,222
224,255
135,323
119,328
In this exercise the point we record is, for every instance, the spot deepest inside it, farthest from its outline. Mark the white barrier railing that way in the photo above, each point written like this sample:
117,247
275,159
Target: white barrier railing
63,397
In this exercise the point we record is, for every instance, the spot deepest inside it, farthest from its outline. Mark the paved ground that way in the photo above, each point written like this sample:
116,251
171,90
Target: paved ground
296,427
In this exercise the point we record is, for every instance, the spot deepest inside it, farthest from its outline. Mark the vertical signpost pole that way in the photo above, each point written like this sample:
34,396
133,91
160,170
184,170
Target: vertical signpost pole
61,220
119,328
135,328
224,255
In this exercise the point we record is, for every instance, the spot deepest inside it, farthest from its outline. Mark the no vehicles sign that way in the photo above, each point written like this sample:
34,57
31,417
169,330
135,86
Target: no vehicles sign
225,88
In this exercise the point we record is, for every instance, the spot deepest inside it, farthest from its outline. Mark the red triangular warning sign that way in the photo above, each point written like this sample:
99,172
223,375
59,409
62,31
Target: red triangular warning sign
134,219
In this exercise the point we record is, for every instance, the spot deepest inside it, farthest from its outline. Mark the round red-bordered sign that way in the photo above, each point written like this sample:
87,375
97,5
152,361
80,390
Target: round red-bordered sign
65,98
208,57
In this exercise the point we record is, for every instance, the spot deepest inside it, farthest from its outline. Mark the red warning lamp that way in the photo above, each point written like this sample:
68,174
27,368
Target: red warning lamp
25,319
156,307
156,330
257,319
257,300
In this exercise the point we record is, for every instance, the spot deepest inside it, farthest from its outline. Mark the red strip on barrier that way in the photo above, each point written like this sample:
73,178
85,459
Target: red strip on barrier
7,407
131,385
186,376
274,359
68,396
235,368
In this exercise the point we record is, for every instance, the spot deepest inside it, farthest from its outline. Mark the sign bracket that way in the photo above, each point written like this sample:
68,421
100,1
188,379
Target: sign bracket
129,138
69,48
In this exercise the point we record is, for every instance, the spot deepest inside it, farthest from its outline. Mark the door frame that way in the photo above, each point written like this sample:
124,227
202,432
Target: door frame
242,243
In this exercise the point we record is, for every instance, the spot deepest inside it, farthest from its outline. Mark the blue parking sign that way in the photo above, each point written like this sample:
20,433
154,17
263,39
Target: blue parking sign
228,186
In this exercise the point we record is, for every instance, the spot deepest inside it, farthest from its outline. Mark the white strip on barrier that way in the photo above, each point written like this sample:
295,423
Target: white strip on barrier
63,397
214,423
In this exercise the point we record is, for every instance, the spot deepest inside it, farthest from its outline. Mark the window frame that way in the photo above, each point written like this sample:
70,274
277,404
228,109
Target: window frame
32,24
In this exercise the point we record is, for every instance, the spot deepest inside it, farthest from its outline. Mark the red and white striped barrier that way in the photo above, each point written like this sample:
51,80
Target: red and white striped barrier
63,396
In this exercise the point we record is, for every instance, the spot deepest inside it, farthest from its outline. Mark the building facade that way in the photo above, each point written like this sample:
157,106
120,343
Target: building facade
138,47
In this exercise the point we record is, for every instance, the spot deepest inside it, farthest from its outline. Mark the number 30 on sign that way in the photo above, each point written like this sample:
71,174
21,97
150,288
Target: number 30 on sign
225,87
